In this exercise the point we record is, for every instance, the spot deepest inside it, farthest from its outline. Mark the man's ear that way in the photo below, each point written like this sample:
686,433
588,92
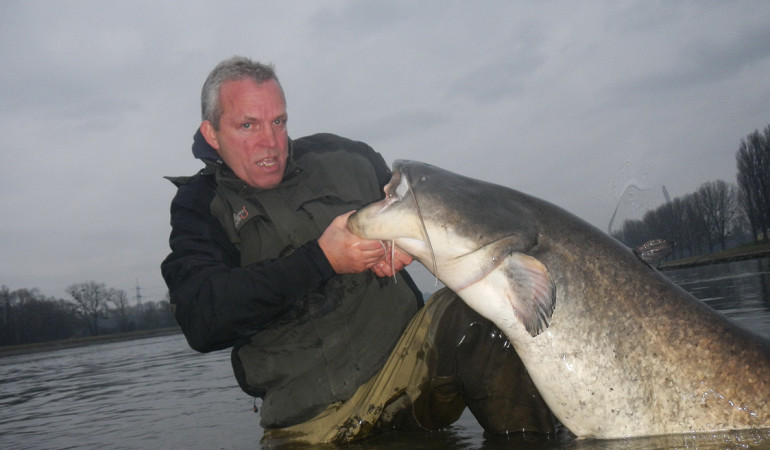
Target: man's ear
210,134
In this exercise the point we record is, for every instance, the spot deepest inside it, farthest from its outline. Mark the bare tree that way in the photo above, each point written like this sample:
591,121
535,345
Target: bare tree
716,210
753,160
119,300
26,316
9,329
91,302
674,214
632,233
708,216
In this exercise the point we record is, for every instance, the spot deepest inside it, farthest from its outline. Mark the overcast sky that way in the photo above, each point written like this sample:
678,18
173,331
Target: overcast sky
569,101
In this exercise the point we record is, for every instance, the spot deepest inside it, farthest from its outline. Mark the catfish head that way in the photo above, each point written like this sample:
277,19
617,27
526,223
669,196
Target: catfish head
472,235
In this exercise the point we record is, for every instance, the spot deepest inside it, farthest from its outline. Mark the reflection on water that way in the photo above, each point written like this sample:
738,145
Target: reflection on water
740,290
145,393
157,393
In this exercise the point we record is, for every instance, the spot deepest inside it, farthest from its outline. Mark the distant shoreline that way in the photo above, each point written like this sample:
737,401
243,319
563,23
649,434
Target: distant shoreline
23,349
743,252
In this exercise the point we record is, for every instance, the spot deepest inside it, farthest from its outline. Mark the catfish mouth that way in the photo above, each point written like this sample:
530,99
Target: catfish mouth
398,189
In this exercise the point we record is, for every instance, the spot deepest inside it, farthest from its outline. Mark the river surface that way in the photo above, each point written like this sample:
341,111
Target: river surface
157,393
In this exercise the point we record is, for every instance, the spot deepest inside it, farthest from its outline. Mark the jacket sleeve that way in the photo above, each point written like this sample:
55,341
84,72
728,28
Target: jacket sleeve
216,302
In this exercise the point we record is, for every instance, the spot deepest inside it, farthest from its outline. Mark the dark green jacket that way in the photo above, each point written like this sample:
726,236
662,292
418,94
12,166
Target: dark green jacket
246,270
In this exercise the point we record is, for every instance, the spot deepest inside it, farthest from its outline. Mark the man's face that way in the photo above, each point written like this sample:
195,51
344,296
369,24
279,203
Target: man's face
252,138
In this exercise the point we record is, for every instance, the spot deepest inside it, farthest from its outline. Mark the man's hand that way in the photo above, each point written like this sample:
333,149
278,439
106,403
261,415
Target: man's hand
347,252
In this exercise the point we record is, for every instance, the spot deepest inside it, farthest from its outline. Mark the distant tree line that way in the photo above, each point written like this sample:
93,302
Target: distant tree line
754,182
717,212
27,316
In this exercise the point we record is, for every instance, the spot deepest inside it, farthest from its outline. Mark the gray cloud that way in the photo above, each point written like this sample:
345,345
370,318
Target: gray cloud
570,102
708,62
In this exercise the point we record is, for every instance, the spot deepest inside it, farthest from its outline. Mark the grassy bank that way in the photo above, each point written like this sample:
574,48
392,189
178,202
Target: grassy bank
747,251
10,350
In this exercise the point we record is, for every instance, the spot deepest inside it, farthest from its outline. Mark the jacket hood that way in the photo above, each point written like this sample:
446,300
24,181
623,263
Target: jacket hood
202,150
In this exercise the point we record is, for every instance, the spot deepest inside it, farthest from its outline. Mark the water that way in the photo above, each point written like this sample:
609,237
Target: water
739,290
157,393
147,393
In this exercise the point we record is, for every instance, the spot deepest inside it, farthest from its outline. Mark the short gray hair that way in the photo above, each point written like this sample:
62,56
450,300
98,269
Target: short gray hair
233,69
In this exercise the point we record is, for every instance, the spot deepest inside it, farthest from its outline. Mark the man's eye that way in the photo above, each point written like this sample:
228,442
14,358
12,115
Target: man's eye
279,122
246,125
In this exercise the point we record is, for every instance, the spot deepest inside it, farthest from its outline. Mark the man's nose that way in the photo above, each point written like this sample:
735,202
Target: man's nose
267,137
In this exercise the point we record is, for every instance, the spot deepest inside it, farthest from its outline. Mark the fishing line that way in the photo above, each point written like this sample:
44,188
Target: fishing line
392,259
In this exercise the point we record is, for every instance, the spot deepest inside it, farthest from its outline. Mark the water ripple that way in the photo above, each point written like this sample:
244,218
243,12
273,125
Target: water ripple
157,393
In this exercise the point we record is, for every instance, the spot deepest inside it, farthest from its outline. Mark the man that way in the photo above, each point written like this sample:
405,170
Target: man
261,261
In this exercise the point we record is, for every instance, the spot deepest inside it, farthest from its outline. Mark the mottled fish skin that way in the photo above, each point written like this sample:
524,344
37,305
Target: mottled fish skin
615,348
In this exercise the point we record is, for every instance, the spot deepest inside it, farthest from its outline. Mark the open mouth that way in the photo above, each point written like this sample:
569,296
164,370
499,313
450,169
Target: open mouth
267,163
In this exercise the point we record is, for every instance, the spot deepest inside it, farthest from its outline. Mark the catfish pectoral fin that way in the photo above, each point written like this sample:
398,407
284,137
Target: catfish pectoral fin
532,292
